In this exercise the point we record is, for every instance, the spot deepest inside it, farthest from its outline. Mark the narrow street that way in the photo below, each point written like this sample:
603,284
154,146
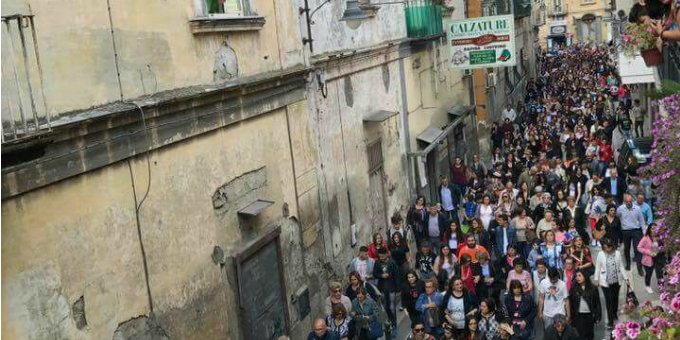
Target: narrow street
277,169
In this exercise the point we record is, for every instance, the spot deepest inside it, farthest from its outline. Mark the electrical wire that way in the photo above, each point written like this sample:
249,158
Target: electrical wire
138,205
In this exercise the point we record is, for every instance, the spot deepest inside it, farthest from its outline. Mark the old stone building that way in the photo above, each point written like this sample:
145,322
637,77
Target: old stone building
576,21
201,169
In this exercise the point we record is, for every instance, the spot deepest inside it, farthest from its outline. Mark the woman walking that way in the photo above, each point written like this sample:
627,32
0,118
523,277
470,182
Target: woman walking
520,307
410,292
586,310
445,266
340,323
610,274
458,303
649,247
488,321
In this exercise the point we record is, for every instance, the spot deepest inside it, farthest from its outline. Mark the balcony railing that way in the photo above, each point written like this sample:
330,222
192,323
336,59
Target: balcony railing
670,69
423,18
24,108
557,10
522,8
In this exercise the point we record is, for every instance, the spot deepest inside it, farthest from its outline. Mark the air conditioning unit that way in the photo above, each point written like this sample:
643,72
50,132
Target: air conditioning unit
467,72
491,80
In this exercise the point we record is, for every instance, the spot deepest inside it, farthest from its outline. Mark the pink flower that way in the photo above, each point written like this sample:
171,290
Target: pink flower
675,304
633,332
632,325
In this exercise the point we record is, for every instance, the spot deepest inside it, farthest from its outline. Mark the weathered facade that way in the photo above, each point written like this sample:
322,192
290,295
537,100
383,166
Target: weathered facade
494,88
203,174
576,21
142,208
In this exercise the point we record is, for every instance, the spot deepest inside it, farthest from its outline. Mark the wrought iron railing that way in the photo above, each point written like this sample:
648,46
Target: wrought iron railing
670,69
423,18
24,108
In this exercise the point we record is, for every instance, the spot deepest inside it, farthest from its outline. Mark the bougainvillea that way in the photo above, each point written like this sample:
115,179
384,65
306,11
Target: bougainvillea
662,320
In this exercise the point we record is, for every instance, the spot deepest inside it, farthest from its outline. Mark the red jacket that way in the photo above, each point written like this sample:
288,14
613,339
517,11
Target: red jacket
373,251
606,152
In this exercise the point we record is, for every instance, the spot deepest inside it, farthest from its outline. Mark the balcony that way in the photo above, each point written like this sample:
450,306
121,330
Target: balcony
670,69
557,10
423,19
522,8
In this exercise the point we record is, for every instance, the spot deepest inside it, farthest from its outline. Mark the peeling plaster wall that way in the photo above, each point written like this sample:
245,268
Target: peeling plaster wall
429,105
156,48
330,34
79,238
342,137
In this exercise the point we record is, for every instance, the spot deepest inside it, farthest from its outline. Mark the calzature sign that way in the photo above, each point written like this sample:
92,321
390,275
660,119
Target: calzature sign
483,42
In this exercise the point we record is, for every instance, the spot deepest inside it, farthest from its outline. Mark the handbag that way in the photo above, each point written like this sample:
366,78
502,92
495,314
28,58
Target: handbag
431,316
631,298
375,331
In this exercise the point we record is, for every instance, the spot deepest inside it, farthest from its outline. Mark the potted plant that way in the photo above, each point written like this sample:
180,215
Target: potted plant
640,38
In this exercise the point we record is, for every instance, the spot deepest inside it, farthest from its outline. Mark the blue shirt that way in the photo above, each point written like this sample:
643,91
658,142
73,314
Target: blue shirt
646,212
613,182
470,209
631,218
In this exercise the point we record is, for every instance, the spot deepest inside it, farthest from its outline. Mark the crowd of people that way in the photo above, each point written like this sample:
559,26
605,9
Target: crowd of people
533,236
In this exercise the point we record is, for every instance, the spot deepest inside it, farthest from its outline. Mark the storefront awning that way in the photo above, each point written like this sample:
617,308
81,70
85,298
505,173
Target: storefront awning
433,135
460,110
430,135
379,116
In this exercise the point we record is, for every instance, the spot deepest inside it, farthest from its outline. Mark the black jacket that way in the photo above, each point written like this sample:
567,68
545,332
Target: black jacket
580,217
390,284
410,294
592,298
621,187
483,239
569,333
443,225
469,303
526,311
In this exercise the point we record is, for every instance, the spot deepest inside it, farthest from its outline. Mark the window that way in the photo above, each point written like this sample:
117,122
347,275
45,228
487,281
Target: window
234,8
224,16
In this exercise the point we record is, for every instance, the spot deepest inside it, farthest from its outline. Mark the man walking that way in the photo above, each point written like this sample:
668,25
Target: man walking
435,224
552,298
387,273
632,224
639,115
448,196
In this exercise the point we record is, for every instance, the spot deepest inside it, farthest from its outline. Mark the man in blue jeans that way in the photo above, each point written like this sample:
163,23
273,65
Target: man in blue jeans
632,224
387,273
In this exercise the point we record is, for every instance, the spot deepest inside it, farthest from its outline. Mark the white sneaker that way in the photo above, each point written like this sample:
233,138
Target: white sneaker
649,290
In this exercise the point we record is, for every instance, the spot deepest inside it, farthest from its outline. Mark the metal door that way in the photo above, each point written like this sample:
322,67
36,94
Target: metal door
262,301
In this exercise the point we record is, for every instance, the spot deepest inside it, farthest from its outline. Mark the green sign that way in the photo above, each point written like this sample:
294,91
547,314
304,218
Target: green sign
482,42
482,57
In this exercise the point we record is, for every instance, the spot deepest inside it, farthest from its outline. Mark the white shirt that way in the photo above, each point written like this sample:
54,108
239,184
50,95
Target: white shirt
447,200
456,309
556,296
361,267
505,240
433,226
509,114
